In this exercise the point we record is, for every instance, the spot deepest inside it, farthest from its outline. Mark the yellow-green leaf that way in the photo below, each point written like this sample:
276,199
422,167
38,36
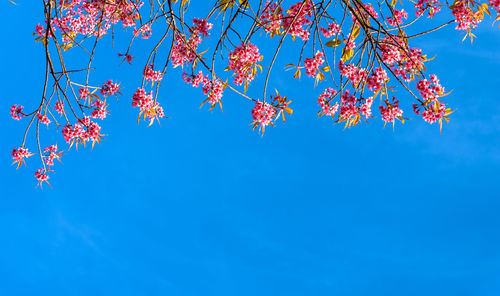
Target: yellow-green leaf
333,43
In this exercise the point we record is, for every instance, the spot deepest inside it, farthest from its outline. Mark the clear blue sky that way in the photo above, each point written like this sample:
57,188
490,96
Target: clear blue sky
204,206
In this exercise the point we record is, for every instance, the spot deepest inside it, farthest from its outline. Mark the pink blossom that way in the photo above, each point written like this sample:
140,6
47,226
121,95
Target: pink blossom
271,18
99,109
152,75
39,30
366,108
51,153
84,93
16,112
300,12
433,114
212,88
366,13
41,176
324,102
495,4
332,30
145,31
263,114
59,106
430,90
127,57
94,17
93,132
355,74
147,106
377,79
19,154
312,64
390,111
348,106
465,17
73,132
201,26
350,44
242,61
110,88
43,118
433,109
398,16
184,51
432,6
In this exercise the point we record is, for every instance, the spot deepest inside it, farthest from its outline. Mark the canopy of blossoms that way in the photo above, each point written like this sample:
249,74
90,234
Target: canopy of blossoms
357,52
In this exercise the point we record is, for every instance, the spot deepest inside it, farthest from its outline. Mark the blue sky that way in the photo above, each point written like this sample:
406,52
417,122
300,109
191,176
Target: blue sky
204,206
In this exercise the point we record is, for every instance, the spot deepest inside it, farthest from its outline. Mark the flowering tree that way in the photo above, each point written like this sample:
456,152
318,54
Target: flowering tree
360,54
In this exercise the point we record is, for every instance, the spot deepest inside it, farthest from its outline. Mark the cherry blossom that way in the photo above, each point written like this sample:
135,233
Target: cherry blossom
312,64
263,115
242,60
390,111
16,112
19,154
43,118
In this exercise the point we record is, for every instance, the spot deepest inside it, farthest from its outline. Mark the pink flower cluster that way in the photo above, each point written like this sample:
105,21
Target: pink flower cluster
367,13
465,17
495,4
51,153
312,64
366,107
390,111
83,93
324,102
152,75
242,61
19,154
185,52
85,130
271,18
350,108
212,88
263,114
182,53
299,11
350,44
377,79
93,16
43,118
430,90
332,30
145,31
110,88
147,106
353,73
99,109
41,176
16,112
201,26
433,110
59,107
404,61
39,30
397,18
432,7
297,16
